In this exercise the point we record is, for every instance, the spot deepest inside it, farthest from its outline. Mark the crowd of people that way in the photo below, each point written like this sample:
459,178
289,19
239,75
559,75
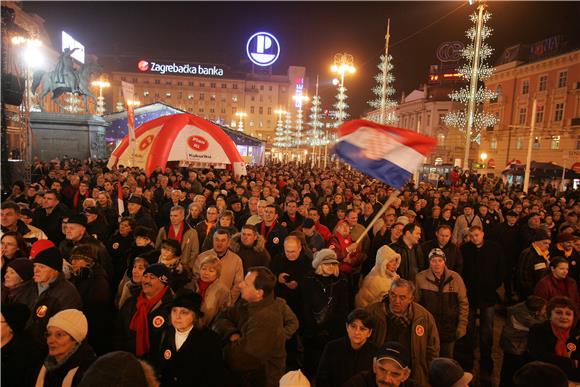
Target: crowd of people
197,277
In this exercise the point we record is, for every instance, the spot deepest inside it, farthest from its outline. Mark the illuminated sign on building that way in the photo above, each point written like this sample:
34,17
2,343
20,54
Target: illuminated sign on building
183,69
299,88
263,49
70,43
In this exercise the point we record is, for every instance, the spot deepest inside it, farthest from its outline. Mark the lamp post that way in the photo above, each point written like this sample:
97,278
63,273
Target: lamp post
100,99
483,157
343,64
241,116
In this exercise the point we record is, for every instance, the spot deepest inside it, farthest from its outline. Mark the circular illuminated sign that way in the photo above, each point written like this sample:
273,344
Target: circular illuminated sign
263,49
143,65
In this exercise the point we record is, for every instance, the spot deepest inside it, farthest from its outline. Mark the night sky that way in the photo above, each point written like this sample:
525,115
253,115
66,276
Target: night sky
310,33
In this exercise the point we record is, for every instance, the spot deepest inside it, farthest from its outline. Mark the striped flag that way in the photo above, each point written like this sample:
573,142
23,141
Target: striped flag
120,203
386,153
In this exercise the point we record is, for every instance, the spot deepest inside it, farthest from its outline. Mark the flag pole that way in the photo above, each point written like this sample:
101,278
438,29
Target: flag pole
387,204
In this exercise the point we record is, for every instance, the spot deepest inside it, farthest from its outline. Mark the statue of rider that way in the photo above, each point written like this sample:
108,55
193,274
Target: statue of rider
64,67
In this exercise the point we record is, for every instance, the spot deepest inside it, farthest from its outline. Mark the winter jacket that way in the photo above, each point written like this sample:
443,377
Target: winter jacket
291,224
189,244
21,360
453,257
274,237
255,255
119,248
29,233
51,223
532,267
542,347
482,272
549,287
377,283
53,374
424,337
514,336
339,362
215,299
447,302
232,271
198,362
412,260
258,357
297,270
24,293
103,257
461,229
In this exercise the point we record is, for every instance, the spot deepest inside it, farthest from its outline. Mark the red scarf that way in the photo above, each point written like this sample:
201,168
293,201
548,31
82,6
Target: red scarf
561,339
140,321
179,235
263,229
209,226
202,287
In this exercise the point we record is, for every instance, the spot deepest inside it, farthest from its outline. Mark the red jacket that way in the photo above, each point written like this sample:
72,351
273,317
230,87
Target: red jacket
549,287
323,231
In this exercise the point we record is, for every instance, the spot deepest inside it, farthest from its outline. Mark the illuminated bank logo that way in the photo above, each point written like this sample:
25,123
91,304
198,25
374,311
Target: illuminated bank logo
263,48
143,65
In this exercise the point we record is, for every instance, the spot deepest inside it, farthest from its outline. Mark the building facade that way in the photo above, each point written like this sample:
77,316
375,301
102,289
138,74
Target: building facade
242,101
543,73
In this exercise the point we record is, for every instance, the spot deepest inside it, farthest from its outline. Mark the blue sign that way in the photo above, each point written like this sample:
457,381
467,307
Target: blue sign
263,49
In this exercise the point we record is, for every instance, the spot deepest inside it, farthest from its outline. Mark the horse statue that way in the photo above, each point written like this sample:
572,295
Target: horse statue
77,82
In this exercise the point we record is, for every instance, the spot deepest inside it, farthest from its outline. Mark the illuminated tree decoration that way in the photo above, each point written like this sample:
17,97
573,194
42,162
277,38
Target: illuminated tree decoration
481,119
279,133
288,132
341,115
383,92
315,134
298,132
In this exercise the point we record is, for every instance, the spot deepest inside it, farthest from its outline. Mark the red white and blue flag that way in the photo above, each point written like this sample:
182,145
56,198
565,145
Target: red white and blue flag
386,153
120,203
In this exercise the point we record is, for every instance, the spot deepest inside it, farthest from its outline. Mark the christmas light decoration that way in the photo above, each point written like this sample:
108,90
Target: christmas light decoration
472,119
72,103
383,89
315,134
343,64
288,132
279,141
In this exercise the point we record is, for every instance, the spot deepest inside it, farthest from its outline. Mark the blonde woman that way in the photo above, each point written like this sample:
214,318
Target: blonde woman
377,283
213,292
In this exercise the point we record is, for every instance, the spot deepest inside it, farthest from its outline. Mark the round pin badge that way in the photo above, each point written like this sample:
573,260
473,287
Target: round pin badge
41,311
158,321
115,245
167,354
419,330
571,347
276,240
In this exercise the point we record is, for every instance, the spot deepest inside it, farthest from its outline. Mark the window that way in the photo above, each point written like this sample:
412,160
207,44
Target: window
223,111
212,85
441,139
559,112
261,124
123,78
168,82
235,86
578,143
498,92
168,94
441,118
543,83
146,81
540,115
201,109
261,87
190,83
253,98
252,109
190,96
212,110
522,116
520,143
234,98
179,95
224,86
253,87
212,97
260,110
536,144
493,143
157,94
201,84
134,80
562,78
269,111
145,93
179,83
201,96
525,86
157,81
555,142
251,123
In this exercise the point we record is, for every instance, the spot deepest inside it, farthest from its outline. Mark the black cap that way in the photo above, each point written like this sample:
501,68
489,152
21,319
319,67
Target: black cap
512,213
160,271
78,219
50,257
186,298
308,223
135,200
540,235
91,210
395,352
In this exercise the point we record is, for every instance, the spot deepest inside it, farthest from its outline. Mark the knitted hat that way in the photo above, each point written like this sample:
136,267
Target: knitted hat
16,315
444,372
78,219
540,235
160,271
38,246
187,298
115,369
23,267
72,321
294,379
437,252
324,256
50,257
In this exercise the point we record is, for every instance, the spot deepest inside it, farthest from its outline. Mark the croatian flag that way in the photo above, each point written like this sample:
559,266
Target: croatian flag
386,153
120,203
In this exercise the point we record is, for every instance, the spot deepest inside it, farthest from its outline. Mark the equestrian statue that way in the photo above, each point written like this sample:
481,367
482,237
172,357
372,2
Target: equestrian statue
66,79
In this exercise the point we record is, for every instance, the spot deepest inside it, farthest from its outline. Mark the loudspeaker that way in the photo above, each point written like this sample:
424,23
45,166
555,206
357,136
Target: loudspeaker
12,89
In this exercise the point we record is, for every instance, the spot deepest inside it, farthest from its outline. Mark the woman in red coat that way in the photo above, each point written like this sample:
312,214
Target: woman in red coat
558,284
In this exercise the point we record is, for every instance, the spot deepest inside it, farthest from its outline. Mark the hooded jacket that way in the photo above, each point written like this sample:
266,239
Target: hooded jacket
377,283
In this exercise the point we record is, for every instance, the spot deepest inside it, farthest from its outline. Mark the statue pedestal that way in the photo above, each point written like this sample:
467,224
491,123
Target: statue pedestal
72,135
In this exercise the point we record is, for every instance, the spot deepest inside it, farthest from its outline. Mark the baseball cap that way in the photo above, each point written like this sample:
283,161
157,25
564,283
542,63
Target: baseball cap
437,252
395,352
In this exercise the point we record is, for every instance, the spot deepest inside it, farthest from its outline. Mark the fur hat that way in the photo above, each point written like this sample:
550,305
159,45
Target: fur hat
160,271
50,257
72,321
324,256
188,299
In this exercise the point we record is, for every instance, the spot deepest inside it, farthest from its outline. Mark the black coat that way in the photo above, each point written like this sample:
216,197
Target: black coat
274,238
453,257
119,248
82,358
340,362
532,267
406,270
542,344
51,223
297,271
97,300
198,362
482,272
103,257
21,360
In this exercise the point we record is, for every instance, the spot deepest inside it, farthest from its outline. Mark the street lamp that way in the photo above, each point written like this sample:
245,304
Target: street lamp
100,99
299,100
483,157
343,64
241,116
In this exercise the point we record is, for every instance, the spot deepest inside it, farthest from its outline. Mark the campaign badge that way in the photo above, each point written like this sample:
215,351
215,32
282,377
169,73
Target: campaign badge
276,240
167,354
41,311
115,245
419,330
571,347
158,321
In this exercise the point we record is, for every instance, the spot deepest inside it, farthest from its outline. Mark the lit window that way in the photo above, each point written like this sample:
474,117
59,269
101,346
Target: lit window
493,143
543,83
168,94
190,96
520,143
540,114
555,142
146,93
234,98
441,139
522,116
559,112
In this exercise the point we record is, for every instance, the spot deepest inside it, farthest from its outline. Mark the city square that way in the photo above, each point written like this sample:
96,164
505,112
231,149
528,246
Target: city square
290,193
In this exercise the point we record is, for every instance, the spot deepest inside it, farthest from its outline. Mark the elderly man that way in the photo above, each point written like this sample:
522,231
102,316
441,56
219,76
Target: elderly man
54,292
256,328
49,217
399,318
272,231
203,228
9,218
140,214
142,317
251,247
390,368
232,268
178,230
463,223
